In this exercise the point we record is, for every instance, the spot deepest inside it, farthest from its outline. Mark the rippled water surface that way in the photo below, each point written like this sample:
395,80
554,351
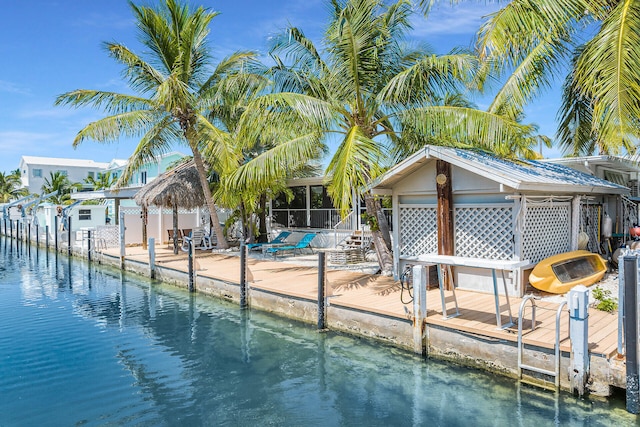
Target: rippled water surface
85,345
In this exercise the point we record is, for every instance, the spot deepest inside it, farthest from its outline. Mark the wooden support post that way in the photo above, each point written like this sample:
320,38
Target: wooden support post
152,257
46,237
444,216
578,301
631,332
55,232
419,274
322,294
243,276
37,236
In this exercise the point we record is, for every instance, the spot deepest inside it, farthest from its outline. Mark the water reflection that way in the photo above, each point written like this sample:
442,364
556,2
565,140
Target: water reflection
122,350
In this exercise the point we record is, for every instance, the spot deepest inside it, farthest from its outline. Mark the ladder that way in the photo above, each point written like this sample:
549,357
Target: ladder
521,365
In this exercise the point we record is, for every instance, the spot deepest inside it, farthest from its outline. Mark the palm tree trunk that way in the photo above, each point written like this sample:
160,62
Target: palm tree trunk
145,215
202,173
380,235
262,213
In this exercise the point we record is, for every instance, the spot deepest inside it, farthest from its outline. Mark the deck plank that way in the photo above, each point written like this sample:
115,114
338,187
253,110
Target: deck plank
381,295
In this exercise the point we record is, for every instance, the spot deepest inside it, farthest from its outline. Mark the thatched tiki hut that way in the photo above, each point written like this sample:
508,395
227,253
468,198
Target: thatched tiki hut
177,188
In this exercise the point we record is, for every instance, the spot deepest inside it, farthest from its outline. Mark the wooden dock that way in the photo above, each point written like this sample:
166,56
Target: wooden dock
381,296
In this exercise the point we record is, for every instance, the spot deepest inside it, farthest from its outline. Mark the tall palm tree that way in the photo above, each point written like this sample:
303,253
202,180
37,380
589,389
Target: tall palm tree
11,186
596,43
175,83
368,89
57,181
102,182
248,182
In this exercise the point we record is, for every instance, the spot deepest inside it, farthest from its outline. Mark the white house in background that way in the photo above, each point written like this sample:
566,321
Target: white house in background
148,171
34,170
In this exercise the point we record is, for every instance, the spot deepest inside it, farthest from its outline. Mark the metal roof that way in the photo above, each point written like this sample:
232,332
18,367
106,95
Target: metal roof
56,161
520,175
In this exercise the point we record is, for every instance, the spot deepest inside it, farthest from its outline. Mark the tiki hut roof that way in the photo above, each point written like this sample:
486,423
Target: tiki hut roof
180,187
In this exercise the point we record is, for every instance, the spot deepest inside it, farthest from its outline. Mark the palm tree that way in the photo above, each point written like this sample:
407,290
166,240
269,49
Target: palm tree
11,186
596,43
248,182
57,181
102,182
175,86
371,90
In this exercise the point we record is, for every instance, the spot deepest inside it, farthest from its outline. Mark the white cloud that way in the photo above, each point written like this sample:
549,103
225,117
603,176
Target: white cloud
446,19
11,87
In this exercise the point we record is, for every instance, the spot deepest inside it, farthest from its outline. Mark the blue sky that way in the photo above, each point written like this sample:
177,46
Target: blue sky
54,46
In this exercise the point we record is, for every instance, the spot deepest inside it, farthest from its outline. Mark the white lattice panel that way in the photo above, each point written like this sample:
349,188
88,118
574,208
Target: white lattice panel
108,236
590,217
484,232
134,210
630,209
418,232
547,230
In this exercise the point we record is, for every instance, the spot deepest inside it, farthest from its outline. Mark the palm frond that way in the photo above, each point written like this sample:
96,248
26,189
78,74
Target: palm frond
607,73
356,162
112,103
109,129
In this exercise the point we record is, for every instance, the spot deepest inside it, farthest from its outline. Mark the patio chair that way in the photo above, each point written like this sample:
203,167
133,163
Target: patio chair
198,239
304,243
179,237
277,240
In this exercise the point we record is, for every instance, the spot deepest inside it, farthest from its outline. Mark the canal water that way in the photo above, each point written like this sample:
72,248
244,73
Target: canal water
85,345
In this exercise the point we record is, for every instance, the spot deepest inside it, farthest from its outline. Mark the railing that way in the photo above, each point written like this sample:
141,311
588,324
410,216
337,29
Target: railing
316,218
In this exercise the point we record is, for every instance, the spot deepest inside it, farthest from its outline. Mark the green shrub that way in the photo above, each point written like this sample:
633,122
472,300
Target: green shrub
604,300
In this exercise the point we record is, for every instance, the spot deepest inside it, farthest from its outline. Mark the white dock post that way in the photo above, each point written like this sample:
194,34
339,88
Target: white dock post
419,274
579,332
122,246
152,257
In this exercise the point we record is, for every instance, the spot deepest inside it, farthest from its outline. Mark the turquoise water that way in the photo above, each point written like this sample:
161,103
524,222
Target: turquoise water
86,345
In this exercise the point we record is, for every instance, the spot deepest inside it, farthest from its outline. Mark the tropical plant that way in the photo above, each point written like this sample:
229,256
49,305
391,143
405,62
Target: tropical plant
373,91
60,183
11,186
595,43
103,181
175,83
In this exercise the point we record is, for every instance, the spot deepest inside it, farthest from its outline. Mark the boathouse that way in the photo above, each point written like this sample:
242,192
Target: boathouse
473,205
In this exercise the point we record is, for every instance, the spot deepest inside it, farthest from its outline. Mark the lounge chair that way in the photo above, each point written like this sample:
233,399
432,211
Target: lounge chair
304,243
198,239
277,240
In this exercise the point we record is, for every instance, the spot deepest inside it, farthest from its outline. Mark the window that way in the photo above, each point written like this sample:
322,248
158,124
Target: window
37,173
84,214
143,177
91,175
62,172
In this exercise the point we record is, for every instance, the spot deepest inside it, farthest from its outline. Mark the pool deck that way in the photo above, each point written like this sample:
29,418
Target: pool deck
353,294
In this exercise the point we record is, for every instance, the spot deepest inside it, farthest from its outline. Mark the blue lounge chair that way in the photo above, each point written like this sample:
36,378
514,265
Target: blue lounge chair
304,243
277,240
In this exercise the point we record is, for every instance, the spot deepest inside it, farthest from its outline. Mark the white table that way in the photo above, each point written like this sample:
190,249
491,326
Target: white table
457,261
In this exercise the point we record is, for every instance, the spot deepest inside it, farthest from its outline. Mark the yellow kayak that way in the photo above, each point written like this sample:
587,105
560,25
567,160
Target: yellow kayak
559,273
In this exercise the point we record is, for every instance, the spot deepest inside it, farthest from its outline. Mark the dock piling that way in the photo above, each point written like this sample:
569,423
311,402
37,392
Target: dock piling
190,262
630,320
243,276
322,297
419,276
152,257
578,300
